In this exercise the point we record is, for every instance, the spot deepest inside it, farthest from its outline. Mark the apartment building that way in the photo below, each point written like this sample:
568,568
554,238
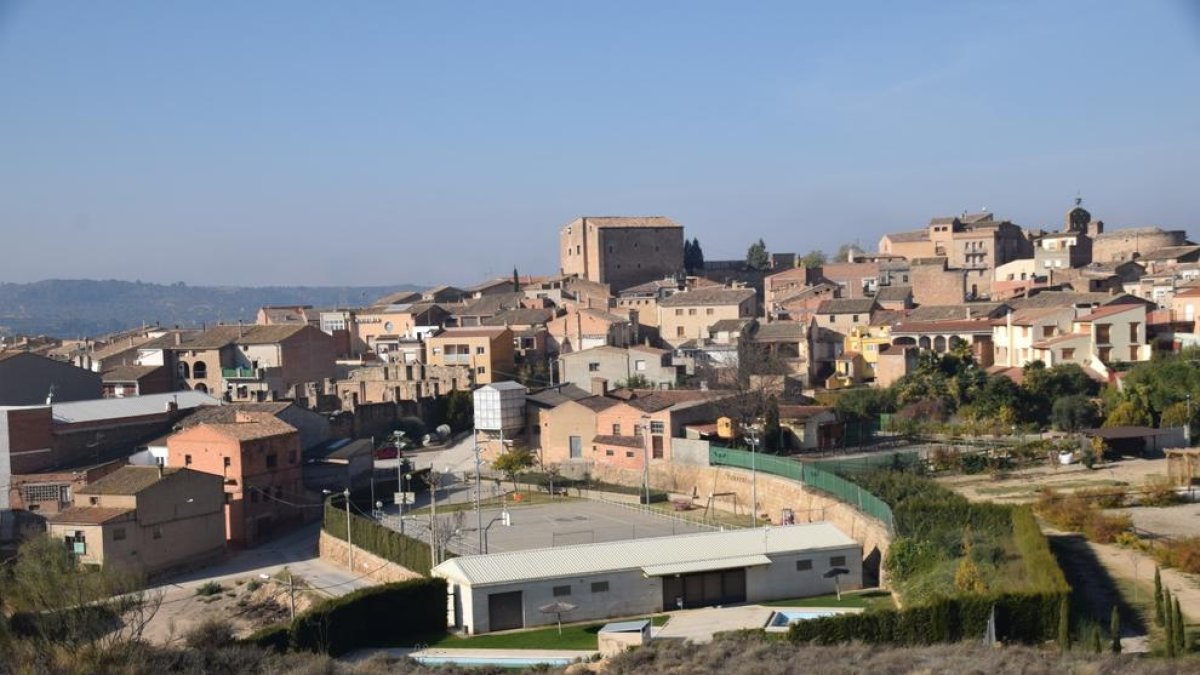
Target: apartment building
487,351
258,457
619,365
585,328
145,519
687,316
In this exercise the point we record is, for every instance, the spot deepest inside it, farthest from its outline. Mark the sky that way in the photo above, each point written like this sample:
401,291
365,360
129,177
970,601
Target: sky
372,142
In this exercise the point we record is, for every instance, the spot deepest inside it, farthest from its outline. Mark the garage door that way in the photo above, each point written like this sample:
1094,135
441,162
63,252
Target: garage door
506,611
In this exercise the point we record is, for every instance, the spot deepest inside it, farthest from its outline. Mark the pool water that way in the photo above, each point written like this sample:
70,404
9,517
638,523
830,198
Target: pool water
784,617
501,661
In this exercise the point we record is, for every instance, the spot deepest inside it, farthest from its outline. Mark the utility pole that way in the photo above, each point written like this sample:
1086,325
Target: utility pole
753,435
478,488
434,479
349,542
291,596
646,457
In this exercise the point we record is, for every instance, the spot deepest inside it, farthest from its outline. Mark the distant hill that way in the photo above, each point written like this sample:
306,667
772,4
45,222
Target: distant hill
80,307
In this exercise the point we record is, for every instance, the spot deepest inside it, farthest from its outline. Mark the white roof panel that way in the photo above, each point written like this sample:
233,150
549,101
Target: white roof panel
638,554
706,565
133,406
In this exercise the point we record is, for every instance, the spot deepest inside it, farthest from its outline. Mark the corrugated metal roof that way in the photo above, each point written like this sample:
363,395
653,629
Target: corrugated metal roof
636,554
711,565
133,406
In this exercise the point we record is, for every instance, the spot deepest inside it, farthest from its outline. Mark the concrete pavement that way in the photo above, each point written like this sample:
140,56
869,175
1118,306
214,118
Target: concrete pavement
699,625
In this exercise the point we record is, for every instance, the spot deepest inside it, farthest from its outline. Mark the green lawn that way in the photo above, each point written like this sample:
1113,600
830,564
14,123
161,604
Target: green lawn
867,600
575,636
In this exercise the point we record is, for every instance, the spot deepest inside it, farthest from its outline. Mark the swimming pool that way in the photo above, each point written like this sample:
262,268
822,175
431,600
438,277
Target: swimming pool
781,619
502,661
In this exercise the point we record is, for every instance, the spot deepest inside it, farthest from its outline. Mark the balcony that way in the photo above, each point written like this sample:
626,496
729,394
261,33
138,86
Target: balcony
239,373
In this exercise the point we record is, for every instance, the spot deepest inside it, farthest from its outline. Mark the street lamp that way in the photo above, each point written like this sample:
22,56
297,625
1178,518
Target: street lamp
752,436
478,511
646,457
349,540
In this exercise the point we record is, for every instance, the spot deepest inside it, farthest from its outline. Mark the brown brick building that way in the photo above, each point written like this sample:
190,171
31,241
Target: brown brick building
621,251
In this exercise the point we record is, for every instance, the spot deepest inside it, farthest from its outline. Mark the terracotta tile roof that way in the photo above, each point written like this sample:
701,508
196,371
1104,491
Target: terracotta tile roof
128,373
728,325
708,296
948,326
780,330
479,331
847,306
1101,312
954,312
908,236
397,298
520,317
800,412
258,426
227,413
556,396
1070,299
627,221
1059,339
597,403
90,515
127,480
621,441
894,294
490,305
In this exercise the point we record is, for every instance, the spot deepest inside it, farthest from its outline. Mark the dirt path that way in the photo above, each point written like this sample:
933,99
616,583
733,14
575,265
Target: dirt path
1136,566
1094,591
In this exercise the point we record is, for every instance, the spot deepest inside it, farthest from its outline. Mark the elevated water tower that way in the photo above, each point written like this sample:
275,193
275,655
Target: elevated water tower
499,414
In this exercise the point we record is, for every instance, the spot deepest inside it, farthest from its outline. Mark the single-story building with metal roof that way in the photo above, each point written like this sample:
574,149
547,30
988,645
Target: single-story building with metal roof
503,591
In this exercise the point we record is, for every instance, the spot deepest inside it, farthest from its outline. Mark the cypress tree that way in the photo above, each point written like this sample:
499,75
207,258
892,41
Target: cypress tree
1114,629
1177,626
1064,625
1159,617
1168,630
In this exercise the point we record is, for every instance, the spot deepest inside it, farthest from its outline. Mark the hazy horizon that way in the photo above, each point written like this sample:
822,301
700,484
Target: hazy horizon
300,143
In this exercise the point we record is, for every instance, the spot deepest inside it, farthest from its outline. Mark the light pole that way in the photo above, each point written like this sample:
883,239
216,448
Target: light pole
646,457
752,434
478,511
349,542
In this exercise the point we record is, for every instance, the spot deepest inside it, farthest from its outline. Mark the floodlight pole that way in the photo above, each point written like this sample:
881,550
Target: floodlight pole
751,432
478,511
646,457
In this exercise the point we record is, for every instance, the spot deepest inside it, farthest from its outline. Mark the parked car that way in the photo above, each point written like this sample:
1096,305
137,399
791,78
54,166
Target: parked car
387,452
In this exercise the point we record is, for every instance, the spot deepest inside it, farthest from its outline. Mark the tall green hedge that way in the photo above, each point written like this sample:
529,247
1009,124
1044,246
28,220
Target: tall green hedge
372,617
377,539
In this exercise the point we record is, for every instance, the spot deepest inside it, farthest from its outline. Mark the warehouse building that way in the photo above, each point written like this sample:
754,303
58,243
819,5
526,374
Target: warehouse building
503,591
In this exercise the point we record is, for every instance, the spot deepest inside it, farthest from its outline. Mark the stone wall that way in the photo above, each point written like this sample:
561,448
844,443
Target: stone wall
774,495
332,549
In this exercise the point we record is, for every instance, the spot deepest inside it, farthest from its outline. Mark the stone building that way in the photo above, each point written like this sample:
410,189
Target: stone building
621,251
687,316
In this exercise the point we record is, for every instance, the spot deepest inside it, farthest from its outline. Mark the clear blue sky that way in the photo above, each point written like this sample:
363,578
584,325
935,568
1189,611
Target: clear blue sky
385,142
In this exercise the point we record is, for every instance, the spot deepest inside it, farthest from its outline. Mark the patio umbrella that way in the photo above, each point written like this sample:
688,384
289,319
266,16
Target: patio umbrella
557,609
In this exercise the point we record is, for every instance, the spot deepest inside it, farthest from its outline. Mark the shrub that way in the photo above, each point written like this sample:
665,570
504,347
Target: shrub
372,617
1182,554
1158,491
1105,529
1112,497
210,588
211,633
254,585
378,539
275,637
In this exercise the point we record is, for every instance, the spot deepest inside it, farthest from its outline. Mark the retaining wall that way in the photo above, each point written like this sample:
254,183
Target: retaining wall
334,550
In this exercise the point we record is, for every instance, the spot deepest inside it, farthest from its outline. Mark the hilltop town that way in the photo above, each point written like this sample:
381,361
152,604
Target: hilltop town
645,445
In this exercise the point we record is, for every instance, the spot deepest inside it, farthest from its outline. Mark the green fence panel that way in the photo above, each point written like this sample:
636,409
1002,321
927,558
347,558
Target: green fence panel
810,475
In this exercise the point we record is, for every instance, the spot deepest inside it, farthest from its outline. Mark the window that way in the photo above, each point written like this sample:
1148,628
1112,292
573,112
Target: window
639,365
832,318
479,351
1048,331
657,427
94,501
1133,352
679,331
187,460
562,591
480,370
616,430
1133,331
272,461
629,454
156,532
608,452
679,312
594,367
1068,354
692,311
854,318
599,586
709,311
837,561
656,447
118,534
803,565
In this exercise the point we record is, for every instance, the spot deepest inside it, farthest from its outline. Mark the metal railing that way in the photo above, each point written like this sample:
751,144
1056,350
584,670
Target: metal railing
809,475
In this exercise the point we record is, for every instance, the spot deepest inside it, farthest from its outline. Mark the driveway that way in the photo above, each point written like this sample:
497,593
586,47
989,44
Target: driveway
297,551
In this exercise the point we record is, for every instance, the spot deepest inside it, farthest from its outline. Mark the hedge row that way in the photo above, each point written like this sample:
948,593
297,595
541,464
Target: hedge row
377,539
378,616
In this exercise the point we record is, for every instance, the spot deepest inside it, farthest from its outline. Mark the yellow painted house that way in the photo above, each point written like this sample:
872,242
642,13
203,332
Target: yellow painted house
860,354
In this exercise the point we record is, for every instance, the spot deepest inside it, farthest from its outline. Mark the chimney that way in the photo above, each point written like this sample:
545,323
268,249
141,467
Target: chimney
599,386
178,338
160,468
172,406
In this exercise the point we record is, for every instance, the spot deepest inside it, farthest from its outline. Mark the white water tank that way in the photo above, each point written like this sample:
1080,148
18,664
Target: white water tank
500,406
